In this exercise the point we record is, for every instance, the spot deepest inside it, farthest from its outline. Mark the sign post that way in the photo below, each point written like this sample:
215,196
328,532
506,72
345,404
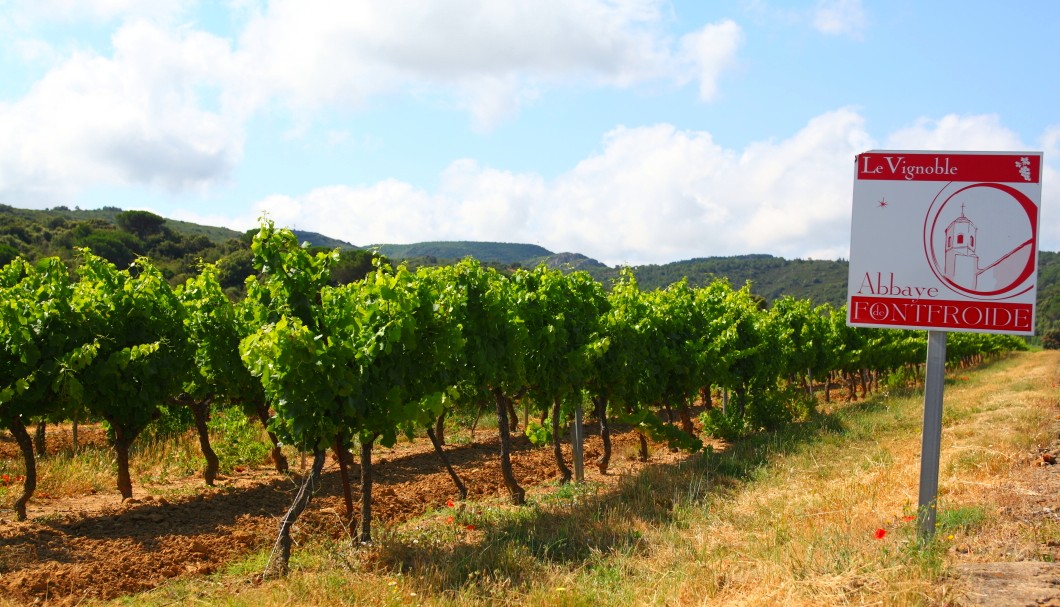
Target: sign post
943,241
931,441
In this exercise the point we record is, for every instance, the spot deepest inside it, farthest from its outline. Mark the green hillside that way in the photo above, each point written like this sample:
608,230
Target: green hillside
497,252
178,247
216,235
770,277
319,240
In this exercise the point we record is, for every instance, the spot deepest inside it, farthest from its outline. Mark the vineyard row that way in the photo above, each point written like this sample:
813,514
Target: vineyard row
337,367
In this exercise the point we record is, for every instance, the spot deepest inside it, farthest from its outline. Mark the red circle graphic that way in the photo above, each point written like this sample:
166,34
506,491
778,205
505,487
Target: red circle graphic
1031,211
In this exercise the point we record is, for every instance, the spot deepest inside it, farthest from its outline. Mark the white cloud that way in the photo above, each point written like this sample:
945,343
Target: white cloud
653,194
166,104
840,17
488,57
472,203
1049,230
143,117
657,194
710,51
982,132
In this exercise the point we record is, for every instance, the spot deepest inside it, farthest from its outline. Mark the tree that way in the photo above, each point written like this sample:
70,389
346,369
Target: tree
1051,339
8,254
140,223
352,265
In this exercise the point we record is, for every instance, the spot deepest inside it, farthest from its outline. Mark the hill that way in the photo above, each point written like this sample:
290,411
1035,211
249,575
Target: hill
319,240
496,252
770,277
178,247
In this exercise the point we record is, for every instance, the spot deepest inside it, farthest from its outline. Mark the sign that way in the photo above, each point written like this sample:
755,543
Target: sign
945,241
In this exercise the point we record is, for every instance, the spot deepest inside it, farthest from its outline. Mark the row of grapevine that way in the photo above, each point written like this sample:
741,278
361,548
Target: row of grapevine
352,366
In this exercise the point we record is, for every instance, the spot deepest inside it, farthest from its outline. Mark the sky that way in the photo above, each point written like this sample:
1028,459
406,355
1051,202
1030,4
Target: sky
631,131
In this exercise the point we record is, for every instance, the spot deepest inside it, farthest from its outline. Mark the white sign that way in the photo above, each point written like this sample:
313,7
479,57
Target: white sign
945,241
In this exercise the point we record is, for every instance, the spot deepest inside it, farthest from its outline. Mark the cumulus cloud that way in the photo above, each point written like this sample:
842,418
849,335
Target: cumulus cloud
711,50
165,104
653,194
982,132
471,203
668,194
142,116
1050,211
840,17
487,57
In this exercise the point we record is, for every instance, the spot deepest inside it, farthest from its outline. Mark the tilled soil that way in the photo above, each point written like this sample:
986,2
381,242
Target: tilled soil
95,546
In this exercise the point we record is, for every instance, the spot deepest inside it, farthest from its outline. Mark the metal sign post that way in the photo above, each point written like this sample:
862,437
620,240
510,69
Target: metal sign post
931,445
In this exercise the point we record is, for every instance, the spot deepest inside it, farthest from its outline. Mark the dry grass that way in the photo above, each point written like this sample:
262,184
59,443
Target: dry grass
789,518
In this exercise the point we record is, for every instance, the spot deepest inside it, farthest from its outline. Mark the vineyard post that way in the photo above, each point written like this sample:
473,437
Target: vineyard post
932,435
576,445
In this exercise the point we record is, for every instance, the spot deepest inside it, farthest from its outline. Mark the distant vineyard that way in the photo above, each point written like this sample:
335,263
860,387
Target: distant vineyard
346,367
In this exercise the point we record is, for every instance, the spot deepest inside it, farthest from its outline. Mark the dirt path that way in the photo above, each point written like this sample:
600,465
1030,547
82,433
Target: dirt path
1027,498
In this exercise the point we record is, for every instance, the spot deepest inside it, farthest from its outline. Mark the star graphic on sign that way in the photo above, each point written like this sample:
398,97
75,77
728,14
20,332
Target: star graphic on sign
883,202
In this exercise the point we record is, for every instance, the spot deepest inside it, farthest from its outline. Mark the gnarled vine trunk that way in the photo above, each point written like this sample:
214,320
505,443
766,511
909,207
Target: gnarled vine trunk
557,447
343,458
280,559
366,490
29,484
200,410
685,416
516,492
40,442
122,443
445,460
439,428
602,462
278,459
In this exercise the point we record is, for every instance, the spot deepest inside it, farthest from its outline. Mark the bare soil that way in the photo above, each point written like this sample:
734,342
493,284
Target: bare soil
97,547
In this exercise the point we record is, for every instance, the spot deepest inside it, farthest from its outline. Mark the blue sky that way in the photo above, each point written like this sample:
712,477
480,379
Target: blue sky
633,131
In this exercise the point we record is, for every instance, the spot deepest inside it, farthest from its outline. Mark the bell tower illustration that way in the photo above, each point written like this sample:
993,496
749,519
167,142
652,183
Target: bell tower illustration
962,264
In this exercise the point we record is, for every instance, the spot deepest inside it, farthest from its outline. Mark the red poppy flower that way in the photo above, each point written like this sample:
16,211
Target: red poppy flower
450,519
909,519
7,479
449,503
880,534
470,527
